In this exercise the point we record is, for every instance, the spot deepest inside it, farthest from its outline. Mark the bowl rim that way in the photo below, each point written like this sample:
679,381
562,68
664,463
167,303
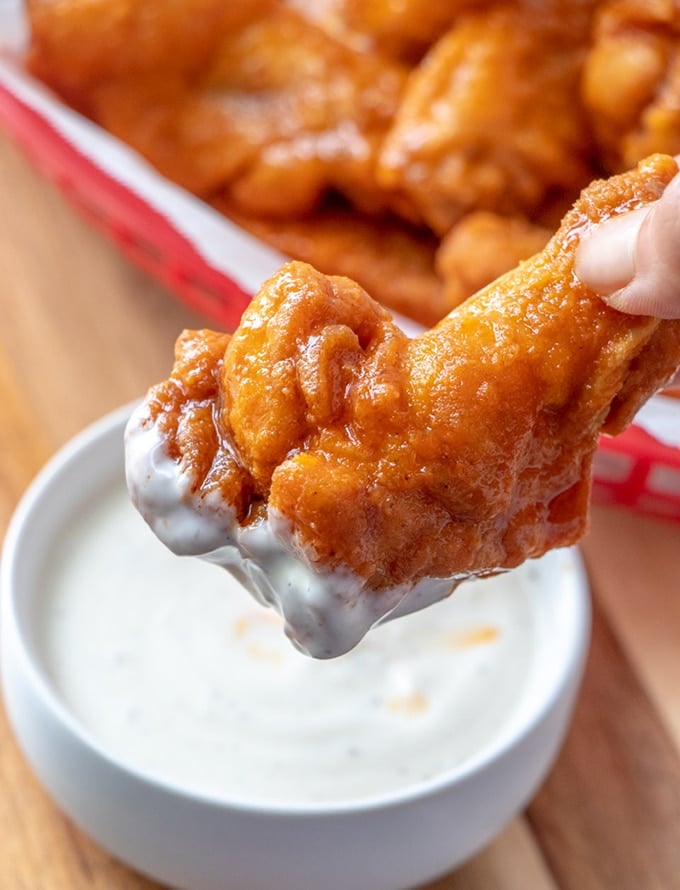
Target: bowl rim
572,664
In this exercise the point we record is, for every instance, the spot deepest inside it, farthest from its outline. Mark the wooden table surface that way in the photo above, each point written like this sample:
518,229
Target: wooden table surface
82,332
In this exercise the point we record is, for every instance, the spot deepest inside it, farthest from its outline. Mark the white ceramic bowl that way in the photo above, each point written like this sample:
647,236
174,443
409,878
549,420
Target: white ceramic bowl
197,842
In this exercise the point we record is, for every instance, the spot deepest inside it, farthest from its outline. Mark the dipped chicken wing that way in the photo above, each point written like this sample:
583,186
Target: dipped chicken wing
344,471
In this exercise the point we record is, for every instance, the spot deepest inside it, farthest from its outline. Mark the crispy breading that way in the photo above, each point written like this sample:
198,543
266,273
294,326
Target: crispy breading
483,246
76,44
464,450
403,29
281,109
392,261
491,118
280,115
631,80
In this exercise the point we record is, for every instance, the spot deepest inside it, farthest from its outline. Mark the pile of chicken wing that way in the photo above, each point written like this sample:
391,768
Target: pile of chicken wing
421,148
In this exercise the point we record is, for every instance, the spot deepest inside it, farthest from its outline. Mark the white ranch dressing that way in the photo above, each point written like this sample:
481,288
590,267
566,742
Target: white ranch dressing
173,668
325,612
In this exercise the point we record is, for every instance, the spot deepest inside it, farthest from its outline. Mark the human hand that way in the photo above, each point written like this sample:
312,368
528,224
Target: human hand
633,260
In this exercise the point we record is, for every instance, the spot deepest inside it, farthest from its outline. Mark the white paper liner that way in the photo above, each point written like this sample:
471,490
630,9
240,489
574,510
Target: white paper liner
660,417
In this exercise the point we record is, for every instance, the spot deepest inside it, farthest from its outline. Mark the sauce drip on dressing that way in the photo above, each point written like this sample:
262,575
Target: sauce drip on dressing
176,670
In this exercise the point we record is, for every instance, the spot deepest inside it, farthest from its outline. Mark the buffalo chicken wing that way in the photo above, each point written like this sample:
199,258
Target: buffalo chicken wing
321,442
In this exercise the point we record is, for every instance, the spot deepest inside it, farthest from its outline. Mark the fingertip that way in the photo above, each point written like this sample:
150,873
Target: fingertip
605,257
621,300
639,300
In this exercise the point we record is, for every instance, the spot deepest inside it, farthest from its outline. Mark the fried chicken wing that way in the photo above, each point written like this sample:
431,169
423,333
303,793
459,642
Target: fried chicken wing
280,115
391,260
442,115
277,108
76,45
403,29
481,247
491,119
343,470
631,80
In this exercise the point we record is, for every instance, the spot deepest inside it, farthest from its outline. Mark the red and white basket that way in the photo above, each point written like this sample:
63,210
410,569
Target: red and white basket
215,267
638,470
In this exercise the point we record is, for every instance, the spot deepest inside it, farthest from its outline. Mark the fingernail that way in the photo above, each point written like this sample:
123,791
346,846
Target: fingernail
617,299
605,258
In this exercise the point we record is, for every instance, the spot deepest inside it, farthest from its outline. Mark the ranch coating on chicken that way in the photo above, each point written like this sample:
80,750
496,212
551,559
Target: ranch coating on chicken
326,613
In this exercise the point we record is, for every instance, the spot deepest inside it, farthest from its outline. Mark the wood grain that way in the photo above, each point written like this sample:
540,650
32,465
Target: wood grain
609,815
634,566
82,332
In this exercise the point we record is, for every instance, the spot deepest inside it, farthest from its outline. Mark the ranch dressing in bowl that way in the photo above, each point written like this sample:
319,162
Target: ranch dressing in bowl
165,662
170,719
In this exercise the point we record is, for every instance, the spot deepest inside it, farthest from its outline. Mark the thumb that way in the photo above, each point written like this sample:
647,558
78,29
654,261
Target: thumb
633,260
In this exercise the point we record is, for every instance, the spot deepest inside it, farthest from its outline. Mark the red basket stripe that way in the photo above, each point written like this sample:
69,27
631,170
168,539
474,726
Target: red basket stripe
141,232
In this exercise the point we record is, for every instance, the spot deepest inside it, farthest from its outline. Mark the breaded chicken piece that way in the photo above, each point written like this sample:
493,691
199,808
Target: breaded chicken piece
631,80
76,44
392,261
321,435
403,29
483,246
491,119
281,114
